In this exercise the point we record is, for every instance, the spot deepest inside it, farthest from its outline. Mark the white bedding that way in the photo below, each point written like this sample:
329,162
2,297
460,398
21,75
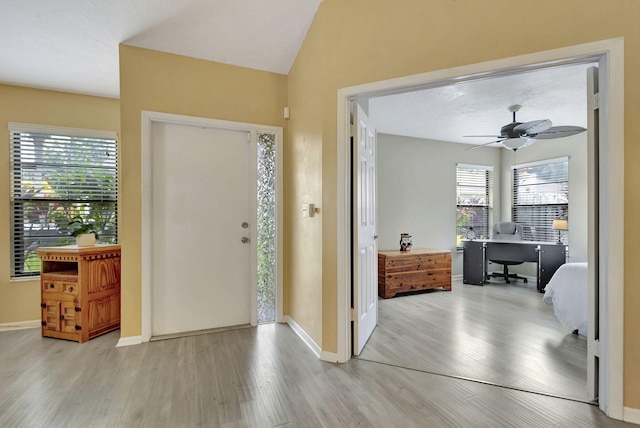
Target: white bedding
567,292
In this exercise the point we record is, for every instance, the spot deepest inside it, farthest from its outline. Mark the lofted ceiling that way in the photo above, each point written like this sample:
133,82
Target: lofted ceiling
72,46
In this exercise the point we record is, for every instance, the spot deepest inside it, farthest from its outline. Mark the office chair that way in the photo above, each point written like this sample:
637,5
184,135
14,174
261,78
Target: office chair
508,231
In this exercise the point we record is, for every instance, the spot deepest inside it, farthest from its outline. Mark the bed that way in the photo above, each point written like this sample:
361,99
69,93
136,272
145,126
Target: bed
567,292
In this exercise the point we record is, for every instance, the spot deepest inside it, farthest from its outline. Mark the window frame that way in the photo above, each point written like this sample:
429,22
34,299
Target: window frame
46,185
483,232
539,225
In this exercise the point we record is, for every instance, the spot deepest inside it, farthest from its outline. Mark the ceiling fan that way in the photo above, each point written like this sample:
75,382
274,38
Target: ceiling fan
516,135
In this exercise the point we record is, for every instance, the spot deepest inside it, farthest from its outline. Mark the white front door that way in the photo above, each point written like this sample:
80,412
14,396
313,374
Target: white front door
365,260
201,213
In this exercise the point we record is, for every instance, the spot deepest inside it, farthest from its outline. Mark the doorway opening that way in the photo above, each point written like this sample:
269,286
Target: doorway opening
608,267
500,333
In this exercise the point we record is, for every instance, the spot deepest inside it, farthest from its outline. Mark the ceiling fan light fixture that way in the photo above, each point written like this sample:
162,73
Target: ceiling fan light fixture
515,143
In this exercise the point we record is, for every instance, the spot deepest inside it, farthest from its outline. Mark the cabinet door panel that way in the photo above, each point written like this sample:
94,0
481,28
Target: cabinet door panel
103,275
51,315
69,318
104,312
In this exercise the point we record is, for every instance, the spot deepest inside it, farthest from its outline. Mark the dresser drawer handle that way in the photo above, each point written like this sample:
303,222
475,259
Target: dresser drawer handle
70,289
51,286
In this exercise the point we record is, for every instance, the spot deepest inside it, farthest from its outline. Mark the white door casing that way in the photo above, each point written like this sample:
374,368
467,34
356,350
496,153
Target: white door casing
365,260
201,197
593,327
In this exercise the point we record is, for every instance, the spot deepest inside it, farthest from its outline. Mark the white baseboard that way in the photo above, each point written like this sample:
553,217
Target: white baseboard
631,415
20,325
129,340
456,277
304,336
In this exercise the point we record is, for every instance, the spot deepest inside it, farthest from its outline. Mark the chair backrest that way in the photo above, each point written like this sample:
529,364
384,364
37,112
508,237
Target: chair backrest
507,230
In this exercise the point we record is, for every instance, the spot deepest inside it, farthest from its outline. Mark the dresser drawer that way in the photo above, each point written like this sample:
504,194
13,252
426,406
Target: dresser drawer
417,262
60,282
418,280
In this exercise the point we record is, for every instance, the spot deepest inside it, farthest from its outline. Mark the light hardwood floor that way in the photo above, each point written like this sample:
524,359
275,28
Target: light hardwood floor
497,333
257,377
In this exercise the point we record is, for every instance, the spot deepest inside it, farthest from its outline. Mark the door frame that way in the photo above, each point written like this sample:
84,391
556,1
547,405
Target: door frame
148,118
610,56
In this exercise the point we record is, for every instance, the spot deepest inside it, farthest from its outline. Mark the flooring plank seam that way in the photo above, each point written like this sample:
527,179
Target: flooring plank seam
484,382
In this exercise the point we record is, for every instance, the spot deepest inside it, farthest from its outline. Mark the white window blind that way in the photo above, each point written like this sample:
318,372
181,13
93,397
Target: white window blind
474,189
540,195
56,174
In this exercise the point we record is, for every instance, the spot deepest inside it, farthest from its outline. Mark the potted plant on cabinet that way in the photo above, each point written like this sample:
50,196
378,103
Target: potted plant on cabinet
84,231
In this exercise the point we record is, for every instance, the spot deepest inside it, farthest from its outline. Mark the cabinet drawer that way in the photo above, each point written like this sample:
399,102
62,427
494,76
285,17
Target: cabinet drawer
70,288
51,286
60,287
418,279
417,262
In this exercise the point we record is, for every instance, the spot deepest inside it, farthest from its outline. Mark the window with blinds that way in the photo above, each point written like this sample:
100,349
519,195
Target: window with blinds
57,174
540,195
474,193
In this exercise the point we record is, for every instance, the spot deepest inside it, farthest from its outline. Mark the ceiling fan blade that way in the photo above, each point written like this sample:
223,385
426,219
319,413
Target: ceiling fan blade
533,127
558,132
482,145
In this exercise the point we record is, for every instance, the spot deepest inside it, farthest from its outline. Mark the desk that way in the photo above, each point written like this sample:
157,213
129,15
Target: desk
548,257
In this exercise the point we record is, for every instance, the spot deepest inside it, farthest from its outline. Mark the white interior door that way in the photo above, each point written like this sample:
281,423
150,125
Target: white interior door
593,299
365,260
201,213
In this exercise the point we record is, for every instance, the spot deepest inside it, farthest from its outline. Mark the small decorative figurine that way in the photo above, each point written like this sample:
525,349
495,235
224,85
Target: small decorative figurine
405,242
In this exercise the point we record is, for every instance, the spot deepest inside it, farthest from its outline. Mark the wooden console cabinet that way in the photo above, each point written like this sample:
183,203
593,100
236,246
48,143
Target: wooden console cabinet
416,269
80,291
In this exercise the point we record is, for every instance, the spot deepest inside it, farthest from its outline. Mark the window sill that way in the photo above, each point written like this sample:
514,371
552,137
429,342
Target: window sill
24,279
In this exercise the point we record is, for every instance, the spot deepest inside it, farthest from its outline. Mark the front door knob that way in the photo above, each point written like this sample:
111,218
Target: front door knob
245,239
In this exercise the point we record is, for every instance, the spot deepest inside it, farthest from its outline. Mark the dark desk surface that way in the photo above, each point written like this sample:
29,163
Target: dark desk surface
512,251
507,241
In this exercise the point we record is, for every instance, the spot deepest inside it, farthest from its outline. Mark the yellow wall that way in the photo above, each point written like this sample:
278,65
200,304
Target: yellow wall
157,81
20,300
360,41
303,184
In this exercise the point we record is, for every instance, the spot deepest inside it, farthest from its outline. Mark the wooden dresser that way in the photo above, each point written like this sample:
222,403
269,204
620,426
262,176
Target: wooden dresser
80,291
416,269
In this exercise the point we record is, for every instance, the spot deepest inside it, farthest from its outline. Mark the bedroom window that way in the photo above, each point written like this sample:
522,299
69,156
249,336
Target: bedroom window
540,195
56,174
474,194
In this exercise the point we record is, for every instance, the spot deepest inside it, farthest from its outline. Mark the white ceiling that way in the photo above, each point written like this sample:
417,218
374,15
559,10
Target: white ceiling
72,45
480,107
